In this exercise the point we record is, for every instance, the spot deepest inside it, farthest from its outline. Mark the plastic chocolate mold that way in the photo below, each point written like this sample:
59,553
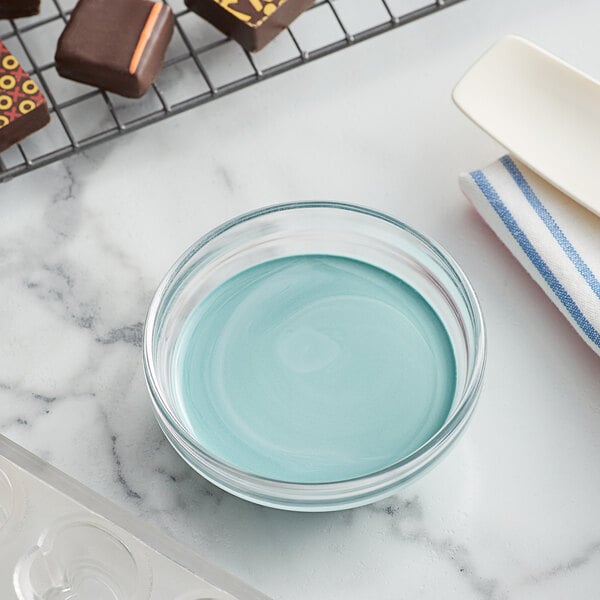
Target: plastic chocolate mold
60,541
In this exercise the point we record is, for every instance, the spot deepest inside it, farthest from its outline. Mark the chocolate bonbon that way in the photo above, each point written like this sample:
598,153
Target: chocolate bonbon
117,46
23,108
253,23
14,9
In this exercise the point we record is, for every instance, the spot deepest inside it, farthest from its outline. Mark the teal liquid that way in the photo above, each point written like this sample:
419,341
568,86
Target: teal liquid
314,369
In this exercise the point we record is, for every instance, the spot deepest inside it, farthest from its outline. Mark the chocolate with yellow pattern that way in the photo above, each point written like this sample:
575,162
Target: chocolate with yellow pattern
253,23
23,108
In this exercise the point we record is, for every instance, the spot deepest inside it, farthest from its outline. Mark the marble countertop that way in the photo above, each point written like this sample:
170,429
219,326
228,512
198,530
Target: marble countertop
513,512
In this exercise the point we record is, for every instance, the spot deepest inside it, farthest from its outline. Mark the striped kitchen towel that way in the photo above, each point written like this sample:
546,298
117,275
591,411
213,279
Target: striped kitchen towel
553,237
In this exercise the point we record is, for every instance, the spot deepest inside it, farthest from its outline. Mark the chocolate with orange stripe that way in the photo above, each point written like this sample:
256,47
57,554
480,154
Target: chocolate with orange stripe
116,45
23,108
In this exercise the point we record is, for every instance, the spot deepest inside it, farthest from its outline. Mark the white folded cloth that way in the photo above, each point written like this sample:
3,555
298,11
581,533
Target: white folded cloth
553,237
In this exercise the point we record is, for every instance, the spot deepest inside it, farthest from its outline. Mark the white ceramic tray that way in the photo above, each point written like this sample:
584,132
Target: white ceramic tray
545,112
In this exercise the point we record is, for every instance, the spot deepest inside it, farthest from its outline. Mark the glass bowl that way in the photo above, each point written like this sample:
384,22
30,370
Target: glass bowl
321,228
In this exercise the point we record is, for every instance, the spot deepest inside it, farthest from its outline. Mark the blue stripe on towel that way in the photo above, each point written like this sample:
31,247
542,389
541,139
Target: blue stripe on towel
551,225
511,224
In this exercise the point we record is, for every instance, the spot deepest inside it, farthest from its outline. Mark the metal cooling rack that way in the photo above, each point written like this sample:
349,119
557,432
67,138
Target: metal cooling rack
201,65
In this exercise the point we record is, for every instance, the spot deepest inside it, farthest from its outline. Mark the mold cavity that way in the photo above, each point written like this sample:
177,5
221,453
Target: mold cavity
6,499
79,561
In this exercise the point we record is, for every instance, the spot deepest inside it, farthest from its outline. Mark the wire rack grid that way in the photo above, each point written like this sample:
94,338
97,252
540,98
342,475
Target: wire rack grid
201,65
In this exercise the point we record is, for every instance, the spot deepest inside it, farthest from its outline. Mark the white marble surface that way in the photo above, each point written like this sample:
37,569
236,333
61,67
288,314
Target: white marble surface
511,513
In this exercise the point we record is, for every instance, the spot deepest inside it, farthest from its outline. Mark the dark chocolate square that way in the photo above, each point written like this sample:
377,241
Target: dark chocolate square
116,45
14,9
23,108
253,23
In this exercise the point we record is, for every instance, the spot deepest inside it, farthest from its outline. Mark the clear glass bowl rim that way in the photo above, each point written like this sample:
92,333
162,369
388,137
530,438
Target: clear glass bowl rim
389,476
